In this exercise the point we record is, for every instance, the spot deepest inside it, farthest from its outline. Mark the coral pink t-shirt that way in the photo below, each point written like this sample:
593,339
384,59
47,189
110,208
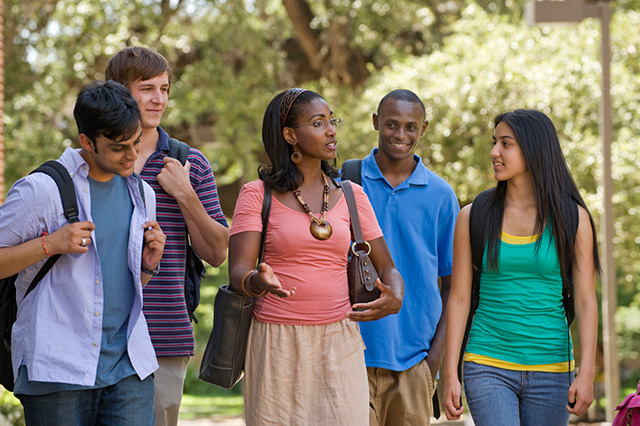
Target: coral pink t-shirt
318,269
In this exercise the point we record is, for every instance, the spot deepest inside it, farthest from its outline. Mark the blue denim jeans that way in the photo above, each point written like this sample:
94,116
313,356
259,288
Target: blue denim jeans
499,397
128,402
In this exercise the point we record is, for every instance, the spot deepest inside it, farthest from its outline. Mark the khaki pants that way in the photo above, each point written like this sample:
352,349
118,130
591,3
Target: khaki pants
400,398
169,382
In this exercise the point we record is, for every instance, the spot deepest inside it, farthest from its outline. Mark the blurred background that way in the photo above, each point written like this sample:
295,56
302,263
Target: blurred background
468,60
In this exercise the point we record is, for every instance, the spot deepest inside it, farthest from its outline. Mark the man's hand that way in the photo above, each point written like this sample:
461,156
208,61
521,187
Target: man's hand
71,238
174,178
154,240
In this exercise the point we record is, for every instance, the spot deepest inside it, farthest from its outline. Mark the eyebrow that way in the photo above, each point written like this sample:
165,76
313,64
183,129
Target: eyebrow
320,115
504,137
120,143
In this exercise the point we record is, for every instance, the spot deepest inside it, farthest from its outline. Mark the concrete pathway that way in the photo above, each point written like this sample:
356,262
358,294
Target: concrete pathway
239,421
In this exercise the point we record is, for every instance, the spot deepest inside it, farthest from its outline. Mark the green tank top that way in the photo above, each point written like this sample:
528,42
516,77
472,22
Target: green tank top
520,318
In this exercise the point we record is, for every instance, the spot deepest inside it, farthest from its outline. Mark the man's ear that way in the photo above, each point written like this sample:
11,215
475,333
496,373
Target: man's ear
289,135
86,143
375,121
424,127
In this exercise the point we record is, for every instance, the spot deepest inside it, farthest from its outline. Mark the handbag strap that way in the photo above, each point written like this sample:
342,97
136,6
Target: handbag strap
266,209
347,189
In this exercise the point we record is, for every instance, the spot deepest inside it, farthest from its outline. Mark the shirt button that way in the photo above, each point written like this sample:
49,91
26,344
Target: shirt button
95,344
84,190
97,313
97,281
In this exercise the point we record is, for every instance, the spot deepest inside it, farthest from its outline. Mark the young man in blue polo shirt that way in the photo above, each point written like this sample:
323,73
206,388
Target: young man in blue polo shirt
417,211
187,197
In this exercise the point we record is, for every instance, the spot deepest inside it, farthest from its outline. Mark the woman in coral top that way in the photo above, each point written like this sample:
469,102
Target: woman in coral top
305,357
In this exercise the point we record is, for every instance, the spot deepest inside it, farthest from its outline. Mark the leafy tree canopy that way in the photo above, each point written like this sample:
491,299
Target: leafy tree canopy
468,60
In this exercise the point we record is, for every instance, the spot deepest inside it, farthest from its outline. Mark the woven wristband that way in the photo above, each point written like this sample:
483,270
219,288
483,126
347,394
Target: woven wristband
44,234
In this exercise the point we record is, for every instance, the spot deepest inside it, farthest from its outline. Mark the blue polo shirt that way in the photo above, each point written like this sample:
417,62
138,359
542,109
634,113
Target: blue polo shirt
417,218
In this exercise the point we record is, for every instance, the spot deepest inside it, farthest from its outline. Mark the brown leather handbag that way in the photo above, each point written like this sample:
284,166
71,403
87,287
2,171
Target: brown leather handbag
362,274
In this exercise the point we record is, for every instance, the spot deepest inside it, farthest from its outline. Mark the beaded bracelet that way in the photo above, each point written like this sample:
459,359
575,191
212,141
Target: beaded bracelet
44,234
245,288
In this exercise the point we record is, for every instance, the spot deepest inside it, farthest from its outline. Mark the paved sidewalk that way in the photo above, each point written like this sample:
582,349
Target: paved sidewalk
239,421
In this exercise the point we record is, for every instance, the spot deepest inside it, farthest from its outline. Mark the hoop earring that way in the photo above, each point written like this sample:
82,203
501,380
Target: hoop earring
296,156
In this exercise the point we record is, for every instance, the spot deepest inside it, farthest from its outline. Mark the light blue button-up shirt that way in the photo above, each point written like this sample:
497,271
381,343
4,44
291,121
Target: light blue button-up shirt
58,330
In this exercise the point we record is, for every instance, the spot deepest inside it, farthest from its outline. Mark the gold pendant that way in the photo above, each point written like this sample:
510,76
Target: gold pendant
320,232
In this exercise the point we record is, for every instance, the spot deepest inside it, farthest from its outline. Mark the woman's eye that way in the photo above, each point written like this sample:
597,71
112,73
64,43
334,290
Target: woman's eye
318,124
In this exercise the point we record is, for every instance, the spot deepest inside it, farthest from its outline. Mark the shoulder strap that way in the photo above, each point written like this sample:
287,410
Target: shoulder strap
477,236
567,286
266,210
353,212
67,191
352,170
69,205
178,150
141,187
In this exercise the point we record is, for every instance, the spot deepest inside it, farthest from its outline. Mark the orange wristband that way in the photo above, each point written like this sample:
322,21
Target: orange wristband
44,234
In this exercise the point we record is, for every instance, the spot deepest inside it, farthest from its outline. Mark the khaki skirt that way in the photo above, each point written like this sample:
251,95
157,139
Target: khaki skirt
306,375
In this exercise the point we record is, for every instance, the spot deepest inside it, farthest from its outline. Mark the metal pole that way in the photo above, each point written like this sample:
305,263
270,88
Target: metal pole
609,288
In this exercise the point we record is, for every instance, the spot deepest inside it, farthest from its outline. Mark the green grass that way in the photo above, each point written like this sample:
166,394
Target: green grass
196,406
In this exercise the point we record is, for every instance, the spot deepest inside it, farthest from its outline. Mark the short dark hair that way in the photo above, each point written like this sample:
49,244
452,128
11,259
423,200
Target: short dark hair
282,175
403,95
135,63
107,109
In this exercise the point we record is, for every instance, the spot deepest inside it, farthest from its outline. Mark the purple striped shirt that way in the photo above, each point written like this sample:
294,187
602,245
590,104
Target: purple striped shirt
164,305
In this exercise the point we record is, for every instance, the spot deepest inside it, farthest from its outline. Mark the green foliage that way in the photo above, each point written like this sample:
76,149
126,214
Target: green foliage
10,409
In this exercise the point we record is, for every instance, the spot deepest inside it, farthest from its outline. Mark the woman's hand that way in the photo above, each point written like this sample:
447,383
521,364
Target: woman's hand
580,394
266,280
451,399
388,303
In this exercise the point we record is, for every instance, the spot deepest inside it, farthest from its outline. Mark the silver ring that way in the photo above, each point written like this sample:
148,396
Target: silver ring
84,242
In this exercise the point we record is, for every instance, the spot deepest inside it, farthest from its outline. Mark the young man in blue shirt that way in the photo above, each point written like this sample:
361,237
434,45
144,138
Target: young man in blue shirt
187,198
417,211
81,349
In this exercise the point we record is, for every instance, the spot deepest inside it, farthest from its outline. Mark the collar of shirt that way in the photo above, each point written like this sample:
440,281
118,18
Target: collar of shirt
372,171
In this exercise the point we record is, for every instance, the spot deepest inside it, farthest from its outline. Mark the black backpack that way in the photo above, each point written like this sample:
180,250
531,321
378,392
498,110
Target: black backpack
477,234
9,307
194,268
352,170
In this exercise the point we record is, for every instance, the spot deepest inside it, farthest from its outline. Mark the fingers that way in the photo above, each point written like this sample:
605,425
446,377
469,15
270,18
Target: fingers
453,407
270,282
71,238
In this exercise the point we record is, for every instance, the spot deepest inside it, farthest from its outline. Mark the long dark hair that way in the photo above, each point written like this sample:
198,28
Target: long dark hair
553,187
282,175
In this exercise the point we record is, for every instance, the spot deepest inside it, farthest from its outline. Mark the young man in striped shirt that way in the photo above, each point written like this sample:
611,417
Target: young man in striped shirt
185,196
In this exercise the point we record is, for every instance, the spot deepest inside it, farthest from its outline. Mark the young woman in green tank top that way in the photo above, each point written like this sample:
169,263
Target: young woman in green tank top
518,367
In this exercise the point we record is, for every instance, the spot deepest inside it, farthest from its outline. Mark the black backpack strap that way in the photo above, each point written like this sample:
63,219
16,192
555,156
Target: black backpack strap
141,187
69,205
352,170
65,186
179,150
573,220
477,236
